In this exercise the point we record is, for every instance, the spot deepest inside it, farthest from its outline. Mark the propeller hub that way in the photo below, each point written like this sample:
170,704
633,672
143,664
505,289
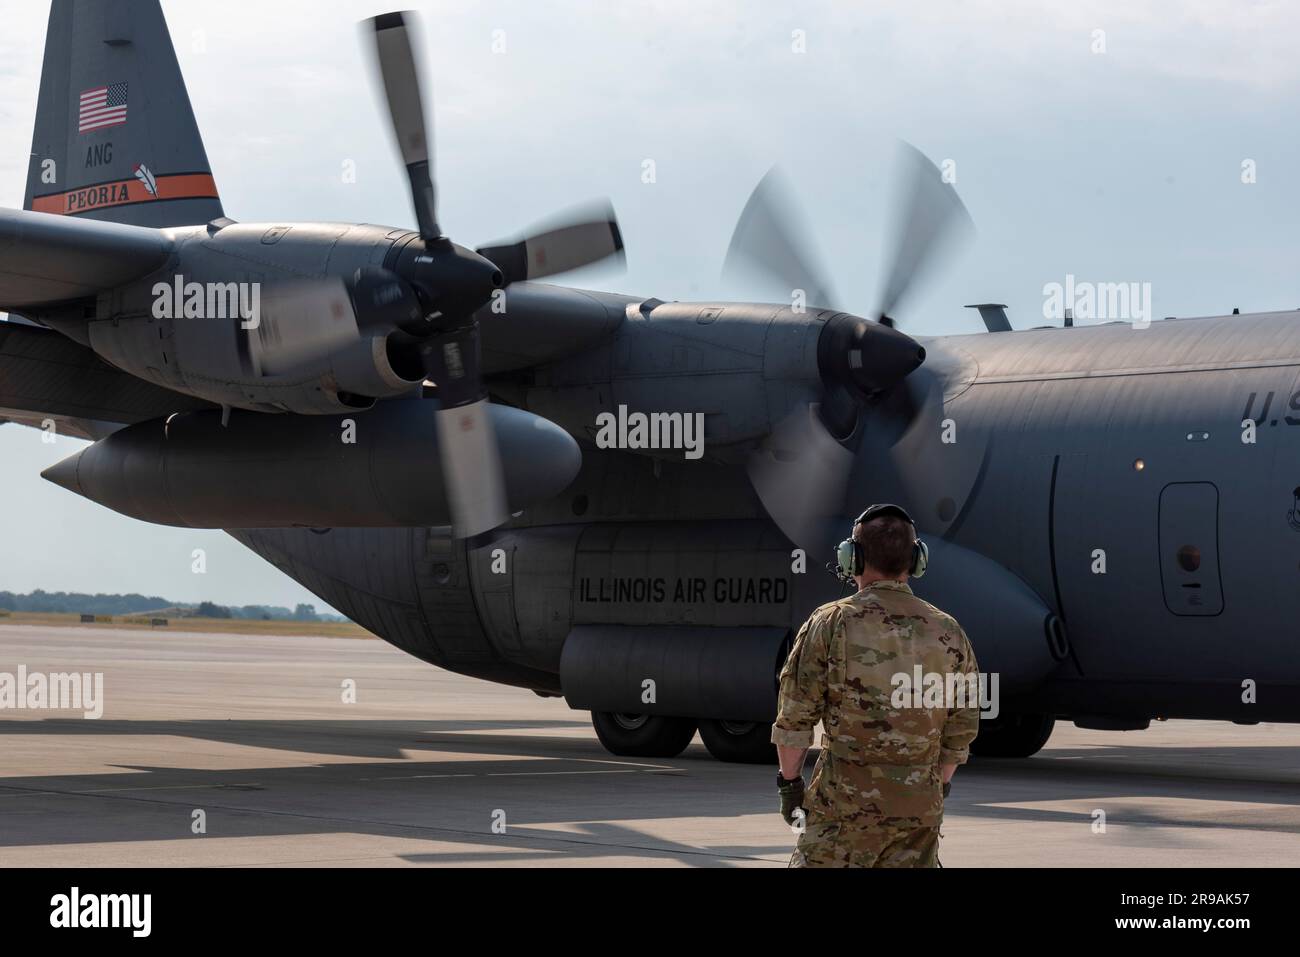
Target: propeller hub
451,282
866,358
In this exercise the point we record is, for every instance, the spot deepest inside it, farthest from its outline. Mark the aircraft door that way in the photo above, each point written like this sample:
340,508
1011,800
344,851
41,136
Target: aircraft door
1189,548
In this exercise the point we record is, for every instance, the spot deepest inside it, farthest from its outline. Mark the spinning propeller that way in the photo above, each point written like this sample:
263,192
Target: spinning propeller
431,293
802,471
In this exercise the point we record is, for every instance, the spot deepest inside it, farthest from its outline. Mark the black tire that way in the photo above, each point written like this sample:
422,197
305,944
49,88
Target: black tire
740,742
643,735
1013,736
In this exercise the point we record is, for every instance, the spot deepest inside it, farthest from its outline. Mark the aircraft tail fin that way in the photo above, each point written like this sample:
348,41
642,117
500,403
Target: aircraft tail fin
115,137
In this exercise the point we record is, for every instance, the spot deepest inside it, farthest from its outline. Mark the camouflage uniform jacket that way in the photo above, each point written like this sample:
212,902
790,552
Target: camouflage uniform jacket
880,762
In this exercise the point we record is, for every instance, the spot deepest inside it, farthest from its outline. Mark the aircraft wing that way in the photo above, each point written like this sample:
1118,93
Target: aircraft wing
46,258
46,375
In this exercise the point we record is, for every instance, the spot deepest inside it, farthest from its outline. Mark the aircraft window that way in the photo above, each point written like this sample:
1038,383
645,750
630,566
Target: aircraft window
1189,558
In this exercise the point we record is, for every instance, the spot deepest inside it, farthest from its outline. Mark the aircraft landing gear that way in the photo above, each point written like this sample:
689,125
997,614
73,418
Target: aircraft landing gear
740,742
658,736
1013,735
642,735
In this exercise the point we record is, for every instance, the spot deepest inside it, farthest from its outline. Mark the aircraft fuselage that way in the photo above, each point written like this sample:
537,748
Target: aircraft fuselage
1101,473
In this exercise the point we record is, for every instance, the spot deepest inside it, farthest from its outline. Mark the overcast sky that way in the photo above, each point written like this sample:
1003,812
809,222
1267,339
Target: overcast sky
1123,165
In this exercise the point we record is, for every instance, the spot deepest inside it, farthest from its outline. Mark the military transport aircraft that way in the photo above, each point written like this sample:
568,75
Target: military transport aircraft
623,501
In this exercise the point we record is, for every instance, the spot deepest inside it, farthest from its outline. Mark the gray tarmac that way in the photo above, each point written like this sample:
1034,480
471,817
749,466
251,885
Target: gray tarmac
430,768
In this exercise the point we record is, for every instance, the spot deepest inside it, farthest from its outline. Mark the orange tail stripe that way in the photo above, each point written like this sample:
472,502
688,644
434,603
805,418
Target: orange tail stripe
124,192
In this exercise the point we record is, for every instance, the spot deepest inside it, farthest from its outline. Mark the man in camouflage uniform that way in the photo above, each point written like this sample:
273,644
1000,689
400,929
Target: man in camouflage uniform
876,798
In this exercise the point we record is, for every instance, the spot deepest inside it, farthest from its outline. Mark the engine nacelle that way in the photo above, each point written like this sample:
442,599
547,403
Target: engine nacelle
372,368
743,366
217,360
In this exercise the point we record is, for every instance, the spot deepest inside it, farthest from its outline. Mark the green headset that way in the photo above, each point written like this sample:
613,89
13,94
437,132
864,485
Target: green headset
848,553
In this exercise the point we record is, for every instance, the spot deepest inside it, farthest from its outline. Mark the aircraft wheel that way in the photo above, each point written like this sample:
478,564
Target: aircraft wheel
740,742
1013,736
643,735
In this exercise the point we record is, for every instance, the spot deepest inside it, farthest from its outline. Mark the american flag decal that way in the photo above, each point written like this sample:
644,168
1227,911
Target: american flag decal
102,107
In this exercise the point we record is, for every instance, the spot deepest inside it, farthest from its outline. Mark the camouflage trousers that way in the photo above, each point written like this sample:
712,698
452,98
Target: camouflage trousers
829,843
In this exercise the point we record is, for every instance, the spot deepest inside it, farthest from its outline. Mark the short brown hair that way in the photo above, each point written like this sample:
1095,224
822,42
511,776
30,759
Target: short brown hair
887,542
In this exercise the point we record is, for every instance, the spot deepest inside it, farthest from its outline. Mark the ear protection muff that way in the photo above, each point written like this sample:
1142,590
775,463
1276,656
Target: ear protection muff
849,560
920,559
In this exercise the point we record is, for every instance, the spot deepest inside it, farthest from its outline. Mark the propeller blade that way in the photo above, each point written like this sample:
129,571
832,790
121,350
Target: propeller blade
467,445
579,238
303,321
471,466
299,322
928,217
772,238
801,474
936,476
397,70
384,301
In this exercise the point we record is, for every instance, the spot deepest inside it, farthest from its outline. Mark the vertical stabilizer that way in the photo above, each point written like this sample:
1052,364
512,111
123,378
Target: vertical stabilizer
115,137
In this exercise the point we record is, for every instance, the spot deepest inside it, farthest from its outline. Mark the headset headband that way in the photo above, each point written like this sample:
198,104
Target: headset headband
875,511
848,554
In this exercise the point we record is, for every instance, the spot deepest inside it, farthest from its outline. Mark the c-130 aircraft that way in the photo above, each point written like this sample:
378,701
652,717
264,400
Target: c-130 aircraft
416,431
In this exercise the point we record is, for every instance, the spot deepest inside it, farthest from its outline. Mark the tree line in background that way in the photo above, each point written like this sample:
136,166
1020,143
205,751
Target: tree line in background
64,602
